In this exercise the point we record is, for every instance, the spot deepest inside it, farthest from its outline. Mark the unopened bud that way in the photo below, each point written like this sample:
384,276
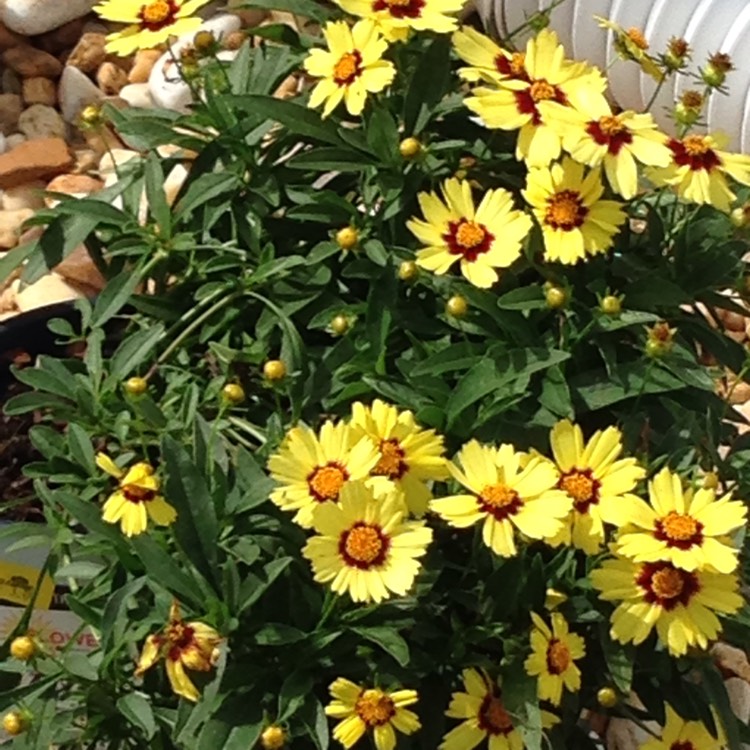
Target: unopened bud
677,54
457,306
204,41
715,72
409,148
689,107
555,296
347,238
273,738
408,270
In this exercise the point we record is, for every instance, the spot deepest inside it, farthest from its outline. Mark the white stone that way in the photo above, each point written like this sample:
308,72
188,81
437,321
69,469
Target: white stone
48,290
13,140
76,91
3,144
167,89
41,121
137,95
29,17
10,226
115,158
174,182
30,196
739,697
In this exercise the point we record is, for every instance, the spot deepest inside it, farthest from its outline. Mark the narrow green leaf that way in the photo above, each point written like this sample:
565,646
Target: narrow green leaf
81,449
115,296
157,200
134,350
136,708
389,640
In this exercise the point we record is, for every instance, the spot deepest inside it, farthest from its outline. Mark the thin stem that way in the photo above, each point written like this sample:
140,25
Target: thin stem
247,427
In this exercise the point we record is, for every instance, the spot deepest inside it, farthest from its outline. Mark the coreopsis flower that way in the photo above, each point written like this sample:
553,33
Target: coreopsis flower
618,142
552,660
599,483
631,44
396,18
363,710
182,645
508,492
688,528
351,68
575,221
487,60
137,499
482,239
680,734
698,171
539,104
312,469
149,23
681,604
410,456
364,547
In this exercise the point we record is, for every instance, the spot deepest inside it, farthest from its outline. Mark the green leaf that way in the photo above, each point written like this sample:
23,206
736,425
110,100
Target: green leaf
252,590
14,258
523,298
329,159
115,296
134,350
114,620
306,8
293,694
49,375
389,640
204,189
717,696
80,665
157,200
620,660
278,634
427,86
256,484
81,449
136,708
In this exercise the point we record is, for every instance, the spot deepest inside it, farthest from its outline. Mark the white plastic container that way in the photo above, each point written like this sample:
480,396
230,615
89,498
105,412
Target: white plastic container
708,26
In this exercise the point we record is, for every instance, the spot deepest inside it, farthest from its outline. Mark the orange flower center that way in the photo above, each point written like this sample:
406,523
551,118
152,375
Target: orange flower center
696,145
470,235
137,494
611,125
498,495
518,63
374,707
667,583
565,210
558,657
347,68
636,36
397,3
364,544
542,91
391,463
582,487
493,717
178,635
679,527
156,12
326,482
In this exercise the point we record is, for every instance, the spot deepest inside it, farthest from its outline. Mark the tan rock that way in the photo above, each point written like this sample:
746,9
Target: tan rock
13,140
89,53
734,321
9,38
30,62
38,90
739,698
102,140
731,659
29,196
10,226
249,17
144,61
78,185
739,393
288,88
10,110
62,38
80,269
86,161
111,79
233,40
48,290
10,83
41,121
40,158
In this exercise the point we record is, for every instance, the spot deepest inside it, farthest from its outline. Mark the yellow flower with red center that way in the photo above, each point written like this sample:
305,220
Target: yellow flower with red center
149,23
618,142
540,103
599,483
631,44
374,710
680,734
553,655
351,67
508,491
681,604
182,645
487,61
698,171
364,547
482,239
410,456
687,528
137,499
396,18
575,221
313,469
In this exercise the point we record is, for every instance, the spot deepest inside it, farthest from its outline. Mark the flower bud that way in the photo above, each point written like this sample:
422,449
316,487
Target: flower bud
347,238
688,110
274,370
91,116
660,340
135,386
711,481
607,697
678,53
340,325
23,648
457,306
740,216
555,296
409,148
204,41
273,738
408,270
715,72
14,723
233,393
611,304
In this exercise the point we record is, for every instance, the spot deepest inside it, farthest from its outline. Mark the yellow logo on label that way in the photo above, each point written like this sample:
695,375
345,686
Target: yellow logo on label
17,584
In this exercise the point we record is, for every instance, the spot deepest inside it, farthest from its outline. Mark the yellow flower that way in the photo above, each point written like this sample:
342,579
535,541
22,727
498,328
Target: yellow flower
574,220
681,604
183,645
698,171
350,69
631,44
617,142
483,239
484,716
312,469
596,481
540,103
553,658
508,491
371,709
687,528
409,455
395,18
487,60
365,548
679,734
149,23
137,499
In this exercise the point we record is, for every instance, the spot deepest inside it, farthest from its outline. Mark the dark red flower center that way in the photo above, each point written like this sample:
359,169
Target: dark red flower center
493,718
401,8
581,485
558,657
538,91
565,210
610,132
513,67
348,68
469,239
325,482
499,501
679,530
695,152
364,546
135,494
158,14
664,584
391,463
